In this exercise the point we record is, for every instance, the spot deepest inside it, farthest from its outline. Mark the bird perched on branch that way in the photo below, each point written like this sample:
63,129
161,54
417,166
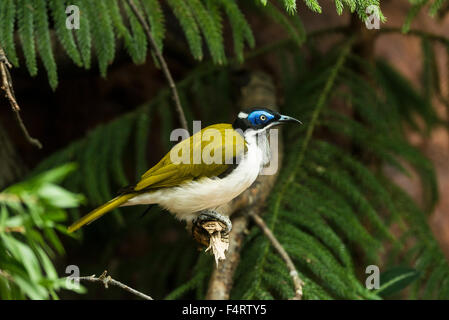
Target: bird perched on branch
204,172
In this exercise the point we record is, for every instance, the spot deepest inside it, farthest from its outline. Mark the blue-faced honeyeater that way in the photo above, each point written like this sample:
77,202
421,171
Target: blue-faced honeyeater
188,188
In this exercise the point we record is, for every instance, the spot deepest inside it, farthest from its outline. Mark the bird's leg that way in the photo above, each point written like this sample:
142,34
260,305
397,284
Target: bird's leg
208,215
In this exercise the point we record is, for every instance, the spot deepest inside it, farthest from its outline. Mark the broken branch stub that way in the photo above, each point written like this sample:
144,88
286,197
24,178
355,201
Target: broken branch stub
210,234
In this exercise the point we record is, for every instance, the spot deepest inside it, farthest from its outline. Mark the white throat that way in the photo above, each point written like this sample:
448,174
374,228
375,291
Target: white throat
259,139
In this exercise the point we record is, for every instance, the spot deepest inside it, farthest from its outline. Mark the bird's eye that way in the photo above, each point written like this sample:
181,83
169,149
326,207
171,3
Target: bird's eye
263,118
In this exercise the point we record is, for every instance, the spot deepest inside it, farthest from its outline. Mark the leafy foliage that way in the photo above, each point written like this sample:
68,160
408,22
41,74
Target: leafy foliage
327,205
330,209
435,7
106,23
30,214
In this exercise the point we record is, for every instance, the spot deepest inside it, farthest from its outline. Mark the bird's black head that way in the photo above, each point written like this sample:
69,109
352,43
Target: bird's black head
260,119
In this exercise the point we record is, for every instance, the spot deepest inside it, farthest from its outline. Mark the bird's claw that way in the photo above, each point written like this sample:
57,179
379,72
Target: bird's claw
209,215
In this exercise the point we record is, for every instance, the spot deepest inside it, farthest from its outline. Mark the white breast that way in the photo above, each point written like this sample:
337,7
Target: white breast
208,193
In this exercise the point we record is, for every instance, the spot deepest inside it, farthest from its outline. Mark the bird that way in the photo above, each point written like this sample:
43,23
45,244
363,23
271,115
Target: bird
204,172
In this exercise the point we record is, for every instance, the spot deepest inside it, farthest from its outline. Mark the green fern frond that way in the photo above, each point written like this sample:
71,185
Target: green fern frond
102,23
340,213
139,39
202,270
65,35
342,181
290,6
7,20
430,260
25,21
352,4
211,30
339,6
240,28
330,216
121,30
83,34
102,32
365,178
430,78
313,5
412,13
121,132
278,16
156,18
191,30
43,40
436,6
411,100
141,133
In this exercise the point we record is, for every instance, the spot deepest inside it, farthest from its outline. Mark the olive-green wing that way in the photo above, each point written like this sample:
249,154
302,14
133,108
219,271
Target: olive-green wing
208,153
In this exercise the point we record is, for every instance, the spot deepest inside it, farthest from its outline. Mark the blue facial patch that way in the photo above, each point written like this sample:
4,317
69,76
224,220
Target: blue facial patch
259,117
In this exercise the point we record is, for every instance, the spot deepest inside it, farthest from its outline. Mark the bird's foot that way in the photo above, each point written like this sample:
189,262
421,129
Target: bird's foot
212,229
210,215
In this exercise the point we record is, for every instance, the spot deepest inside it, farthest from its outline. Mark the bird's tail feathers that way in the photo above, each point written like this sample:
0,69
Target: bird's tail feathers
98,212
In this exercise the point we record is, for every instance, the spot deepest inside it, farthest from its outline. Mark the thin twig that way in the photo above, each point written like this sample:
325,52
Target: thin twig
154,47
107,280
297,282
8,88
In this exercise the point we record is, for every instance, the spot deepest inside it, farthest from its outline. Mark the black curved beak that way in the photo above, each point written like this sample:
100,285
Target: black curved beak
284,119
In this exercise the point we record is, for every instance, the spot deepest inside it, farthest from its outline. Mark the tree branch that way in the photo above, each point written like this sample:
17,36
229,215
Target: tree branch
107,280
160,58
8,88
260,91
297,282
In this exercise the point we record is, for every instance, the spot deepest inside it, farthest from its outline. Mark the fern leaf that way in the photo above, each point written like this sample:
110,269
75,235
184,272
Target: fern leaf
102,32
141,141
156,19
435,7
7,19
65,36
290,6
188,23
26,33
211,30
121,135
280,18
339,7
430,79
104,153
91,170
352,4
313,5
83,34
44,42
121,30
340,213
139,39
134,44
412,13
240,28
